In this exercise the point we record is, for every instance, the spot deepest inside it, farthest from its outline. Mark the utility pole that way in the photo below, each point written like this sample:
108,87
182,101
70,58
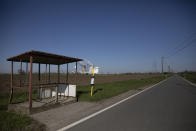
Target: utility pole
162,61
168,68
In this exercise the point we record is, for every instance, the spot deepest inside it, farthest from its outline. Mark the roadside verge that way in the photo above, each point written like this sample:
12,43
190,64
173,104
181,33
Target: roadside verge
193,84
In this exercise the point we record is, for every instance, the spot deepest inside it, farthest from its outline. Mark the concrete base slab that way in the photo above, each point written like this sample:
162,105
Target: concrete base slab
40,105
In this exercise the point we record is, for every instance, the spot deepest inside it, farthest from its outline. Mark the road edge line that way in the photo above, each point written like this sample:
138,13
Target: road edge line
188,81
109,107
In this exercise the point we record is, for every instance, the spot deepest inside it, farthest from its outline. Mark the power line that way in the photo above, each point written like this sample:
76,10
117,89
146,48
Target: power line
184,41
179,48
185,45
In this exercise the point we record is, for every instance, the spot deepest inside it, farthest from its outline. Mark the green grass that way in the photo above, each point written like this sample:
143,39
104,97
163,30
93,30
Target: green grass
3,102
107,90
17,122
191,76
12,121
17,98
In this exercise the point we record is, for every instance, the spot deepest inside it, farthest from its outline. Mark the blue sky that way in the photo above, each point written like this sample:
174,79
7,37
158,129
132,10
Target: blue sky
118,36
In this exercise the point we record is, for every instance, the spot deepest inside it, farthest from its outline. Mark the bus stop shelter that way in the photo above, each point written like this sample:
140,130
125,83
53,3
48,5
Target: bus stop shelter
39,57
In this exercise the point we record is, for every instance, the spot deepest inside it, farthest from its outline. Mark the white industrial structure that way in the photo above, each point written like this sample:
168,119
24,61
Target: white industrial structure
86,67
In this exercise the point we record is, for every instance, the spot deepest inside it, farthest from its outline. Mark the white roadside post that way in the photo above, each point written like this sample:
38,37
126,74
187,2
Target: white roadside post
92,81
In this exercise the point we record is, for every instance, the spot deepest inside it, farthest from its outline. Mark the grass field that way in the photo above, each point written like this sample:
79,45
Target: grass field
191,76
11,121
116,84
107,90
16,122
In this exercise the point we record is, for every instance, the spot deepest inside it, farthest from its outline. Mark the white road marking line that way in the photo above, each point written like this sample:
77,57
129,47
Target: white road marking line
188,81
96,113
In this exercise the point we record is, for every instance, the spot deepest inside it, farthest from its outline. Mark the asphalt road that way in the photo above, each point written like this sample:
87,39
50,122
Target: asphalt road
170,106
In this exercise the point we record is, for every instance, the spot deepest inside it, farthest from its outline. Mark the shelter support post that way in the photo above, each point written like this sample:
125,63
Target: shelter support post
20,66
39,89
26,79
26,73
57,88
67,84
20,73
67,74
58,73
46,74
11,84
76,73
49,73
30,82
49,79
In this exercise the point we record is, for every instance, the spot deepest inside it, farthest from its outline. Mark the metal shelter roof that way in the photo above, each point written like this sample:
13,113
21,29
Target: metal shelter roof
43,58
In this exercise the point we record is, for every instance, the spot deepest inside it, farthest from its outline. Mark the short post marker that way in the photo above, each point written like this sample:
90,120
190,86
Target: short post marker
92,81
